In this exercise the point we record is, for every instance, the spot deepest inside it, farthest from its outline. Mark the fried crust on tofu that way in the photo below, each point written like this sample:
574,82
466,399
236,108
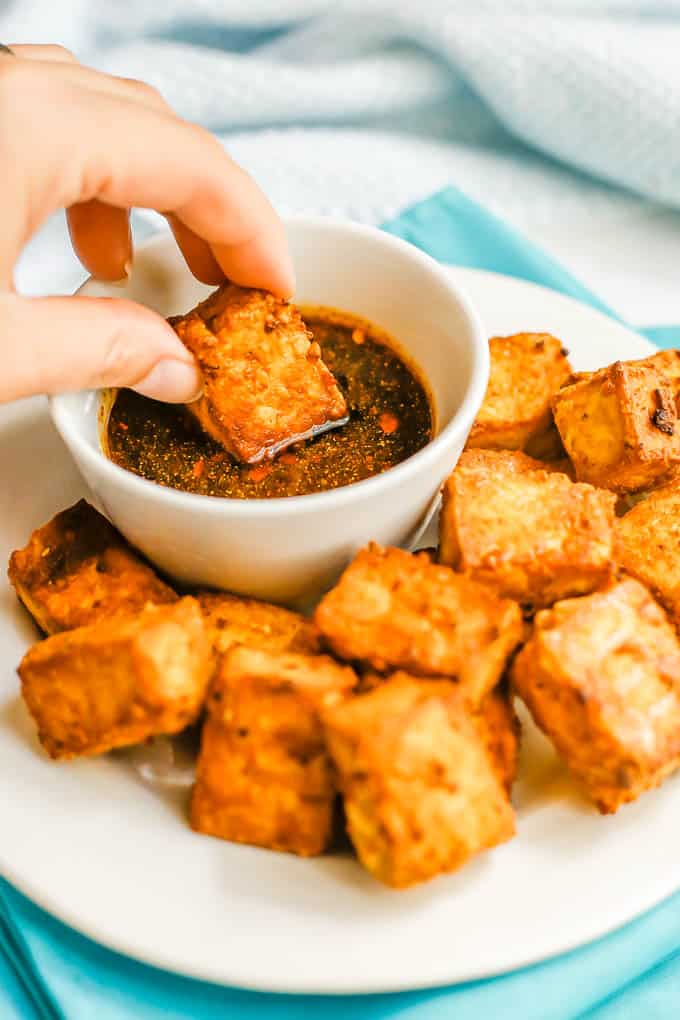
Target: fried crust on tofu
526,371
531,534
649,546
77,570
497,721
500,730
265,383
395,610
668,364
620,425
601,677
421,794
234,621
264,776
118,682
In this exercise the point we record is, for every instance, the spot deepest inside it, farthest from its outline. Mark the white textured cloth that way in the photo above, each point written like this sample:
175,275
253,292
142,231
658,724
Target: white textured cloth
561,115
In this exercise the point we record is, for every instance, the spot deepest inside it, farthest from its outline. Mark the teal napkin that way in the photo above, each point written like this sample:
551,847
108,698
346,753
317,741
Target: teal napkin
50,972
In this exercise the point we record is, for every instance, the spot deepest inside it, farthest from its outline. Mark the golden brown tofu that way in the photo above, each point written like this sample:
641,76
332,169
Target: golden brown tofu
264,776
649,546
562,466
77,570
119,681
619,426
265,383
500,729
531,534
526,371
601,677
234,621
496,718
395,610
668,364
421,793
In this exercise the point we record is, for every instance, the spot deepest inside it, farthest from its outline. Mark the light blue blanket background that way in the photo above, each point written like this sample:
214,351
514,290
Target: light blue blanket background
562,116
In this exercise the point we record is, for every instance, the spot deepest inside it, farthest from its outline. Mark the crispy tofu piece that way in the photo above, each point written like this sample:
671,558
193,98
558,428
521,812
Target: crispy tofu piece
620,425
264,776
497,721
234,621
649,546
420,791
395,610
531,534
668,364
265,383
526,371
562,466
601,677
500,730
119,681
77,570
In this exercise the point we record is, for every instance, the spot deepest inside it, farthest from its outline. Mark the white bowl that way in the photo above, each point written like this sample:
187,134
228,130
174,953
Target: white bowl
289,549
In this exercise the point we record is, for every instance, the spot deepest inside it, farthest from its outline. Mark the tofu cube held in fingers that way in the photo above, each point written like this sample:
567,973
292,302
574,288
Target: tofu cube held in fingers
264,776
530,533
601,677
526,370
233,620
118,682
620,425
649,546
77,570
395,610
421,793
266,385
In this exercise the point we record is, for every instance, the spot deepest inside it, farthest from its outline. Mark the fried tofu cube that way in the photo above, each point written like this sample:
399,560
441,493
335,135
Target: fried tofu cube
265,383
420,791
601,677
531,534
526,371
264,776
500,730
77,570
234,621
395,610
668,364
649,546
620,425
496,718
119,681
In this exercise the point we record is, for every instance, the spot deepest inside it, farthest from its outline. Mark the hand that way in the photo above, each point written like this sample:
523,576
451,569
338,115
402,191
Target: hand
73,138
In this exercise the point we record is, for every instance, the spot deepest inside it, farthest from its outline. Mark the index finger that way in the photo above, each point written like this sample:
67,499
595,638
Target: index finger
127,153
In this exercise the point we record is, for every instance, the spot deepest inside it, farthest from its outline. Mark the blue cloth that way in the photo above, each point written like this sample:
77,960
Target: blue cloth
49,971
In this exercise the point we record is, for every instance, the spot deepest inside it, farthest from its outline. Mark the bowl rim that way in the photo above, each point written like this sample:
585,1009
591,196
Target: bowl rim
394,477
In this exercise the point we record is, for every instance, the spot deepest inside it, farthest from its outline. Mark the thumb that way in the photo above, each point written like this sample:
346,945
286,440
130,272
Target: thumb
53,345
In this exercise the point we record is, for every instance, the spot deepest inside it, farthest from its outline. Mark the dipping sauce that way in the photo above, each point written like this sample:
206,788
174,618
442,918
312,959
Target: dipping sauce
390,419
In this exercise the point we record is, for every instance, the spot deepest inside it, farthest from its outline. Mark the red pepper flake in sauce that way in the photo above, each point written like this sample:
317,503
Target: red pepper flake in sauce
198,468
359,336
388,422
122,426
259,472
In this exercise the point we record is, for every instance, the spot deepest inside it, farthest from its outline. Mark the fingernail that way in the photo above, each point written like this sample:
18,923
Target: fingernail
123,282
176,382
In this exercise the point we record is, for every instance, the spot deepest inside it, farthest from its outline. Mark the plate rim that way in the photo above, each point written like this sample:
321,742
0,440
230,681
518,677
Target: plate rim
163,960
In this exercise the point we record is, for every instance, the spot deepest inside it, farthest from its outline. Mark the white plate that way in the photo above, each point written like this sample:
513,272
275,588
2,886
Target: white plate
116,860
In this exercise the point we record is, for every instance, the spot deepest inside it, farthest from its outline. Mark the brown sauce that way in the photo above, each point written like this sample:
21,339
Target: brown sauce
390,420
